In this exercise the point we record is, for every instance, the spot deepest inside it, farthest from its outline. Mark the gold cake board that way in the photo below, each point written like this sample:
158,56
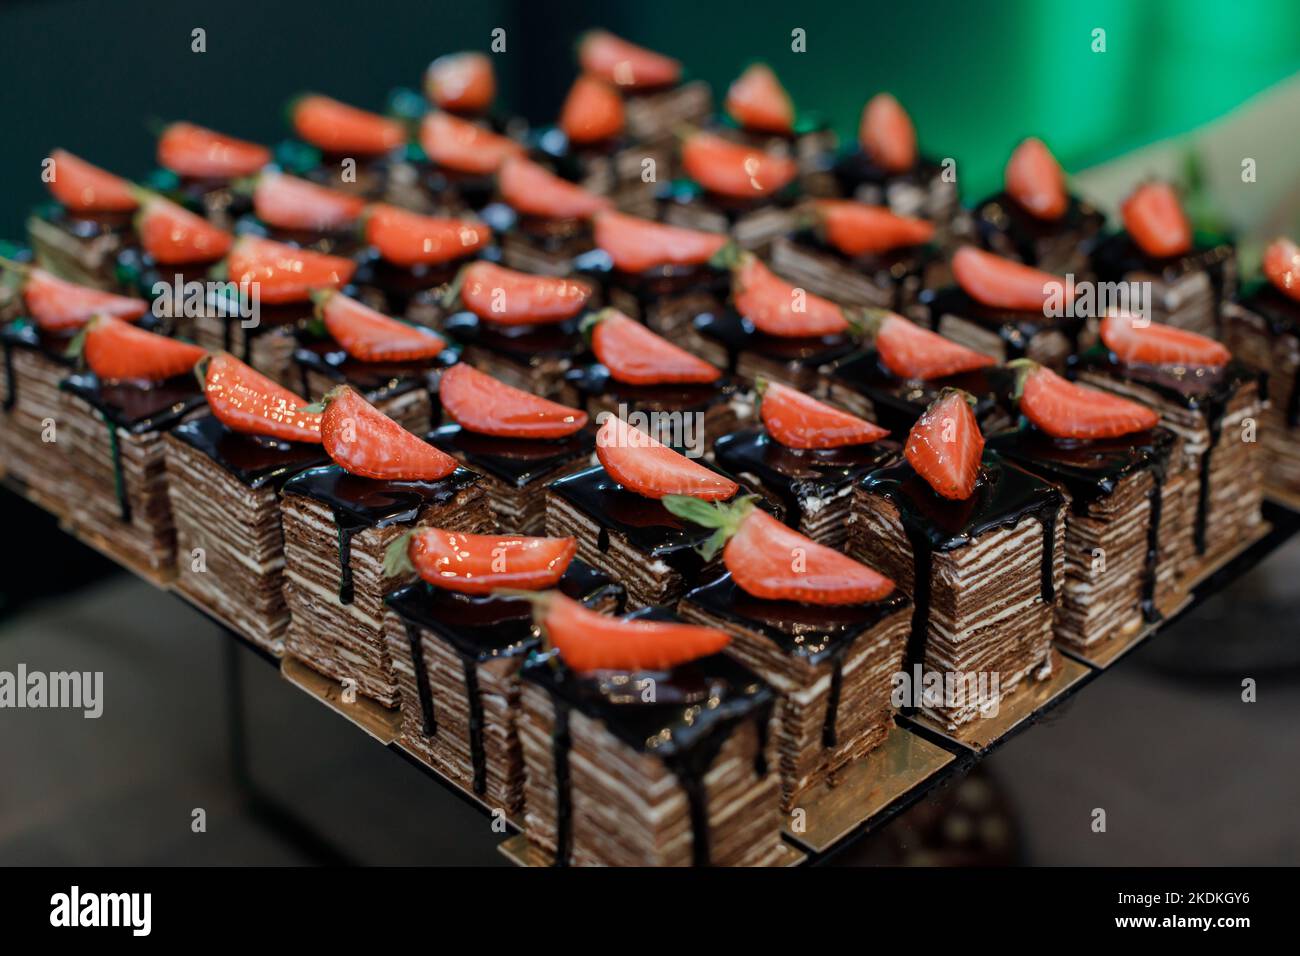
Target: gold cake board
1283,497
520,852
376,720
1104,653
465,791
1216,563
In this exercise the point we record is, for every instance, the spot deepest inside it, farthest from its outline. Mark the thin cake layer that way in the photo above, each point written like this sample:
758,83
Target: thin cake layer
1186,290
34,365
731,342
1005,334
533,358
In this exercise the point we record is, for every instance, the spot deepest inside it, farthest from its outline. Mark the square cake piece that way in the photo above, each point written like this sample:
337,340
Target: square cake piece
78,240
543,220
200,167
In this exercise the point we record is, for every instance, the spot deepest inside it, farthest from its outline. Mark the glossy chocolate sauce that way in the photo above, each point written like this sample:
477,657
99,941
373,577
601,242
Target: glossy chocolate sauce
524,344
596,381
653,284
1015,327
377,380
858,169
1117,256
738,335
1001,214
26,334
256,461
516,462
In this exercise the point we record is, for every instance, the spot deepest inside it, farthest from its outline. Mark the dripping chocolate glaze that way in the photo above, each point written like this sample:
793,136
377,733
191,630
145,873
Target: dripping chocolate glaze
377,380
597,381
26,334
738,335
1015,327
1282,313
256,461
516,462
1001,214
525,344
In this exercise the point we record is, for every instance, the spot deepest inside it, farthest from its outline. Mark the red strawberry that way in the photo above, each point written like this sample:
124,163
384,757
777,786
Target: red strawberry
371,336
535,191
58,305
778,308
625,64
1155,220
480,404
1034,179
945,446
174,236
797,420
887,135
1065,410
636,356
464,146
757,101
461,82
1003,283
636,244
643,465
287,202
481,563
339,128
1154,344
409,239
200,153
285,273
84,188
245,400
1282,266
115,350
506,297
856,229
365,442
914,353
592,112
732,170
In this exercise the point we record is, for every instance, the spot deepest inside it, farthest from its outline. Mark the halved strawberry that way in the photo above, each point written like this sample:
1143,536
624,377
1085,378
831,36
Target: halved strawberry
480,563
464,146
201,153
914,353
1003,283
1155,220
287,202
1282,266
636,244
339,128
363,441
57,305
173,236
636,356
507,297
757,101
730,169
84,188
479,403
855,228
461,82
1063,409
115,350
797,420
371,336
285,273
408,239
592,112
887,135
778,308
1035,179
1151,343
625,64
643,465
535,191
945,445
245,400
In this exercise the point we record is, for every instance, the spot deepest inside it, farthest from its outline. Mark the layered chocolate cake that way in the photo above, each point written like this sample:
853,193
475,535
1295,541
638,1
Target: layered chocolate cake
358,149
548,219
462,159
80,235
201,167
170,257
302,213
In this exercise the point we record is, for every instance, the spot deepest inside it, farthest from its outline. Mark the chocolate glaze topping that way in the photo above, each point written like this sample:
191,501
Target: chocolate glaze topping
514,461
256,461
1003,214
1014,326
1282,313
525,344
737,334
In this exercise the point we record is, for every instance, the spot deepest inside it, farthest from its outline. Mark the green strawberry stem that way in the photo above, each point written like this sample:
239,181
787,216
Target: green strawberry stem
397,557
78,344
865,321
1022,368
19,268
949,391
592,319
201,370
724,517
451,298
315,408
728,257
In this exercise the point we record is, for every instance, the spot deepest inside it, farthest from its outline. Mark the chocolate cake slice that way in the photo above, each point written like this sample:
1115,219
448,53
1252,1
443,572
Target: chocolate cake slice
731,341
890,279
34,365
753,223
1003,333
709,410
200,167
80,245
532,357
655,114
1186,291
611,166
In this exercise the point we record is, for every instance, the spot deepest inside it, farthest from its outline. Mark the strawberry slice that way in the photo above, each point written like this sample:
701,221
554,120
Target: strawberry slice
83,188
200,153
1035,180
507,297
589,641
1003,283
481,563
115,350
535,191
1065,410
1155,220
461,82
917,354
625,64
1151,343
336,127
371,336
410,239
887,135
1282,266
643,465
636,244
57,305
480,404
592,112
173,236
363,441
245,400
285,273
464,146
778,308
757,101
730,169
797,420
945,445
287,202
855,228
636,356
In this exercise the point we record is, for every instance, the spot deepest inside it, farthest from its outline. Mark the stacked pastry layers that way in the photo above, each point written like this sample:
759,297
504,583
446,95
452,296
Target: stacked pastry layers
1249,337
43,467
410,407
825,275
270,351
90,260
